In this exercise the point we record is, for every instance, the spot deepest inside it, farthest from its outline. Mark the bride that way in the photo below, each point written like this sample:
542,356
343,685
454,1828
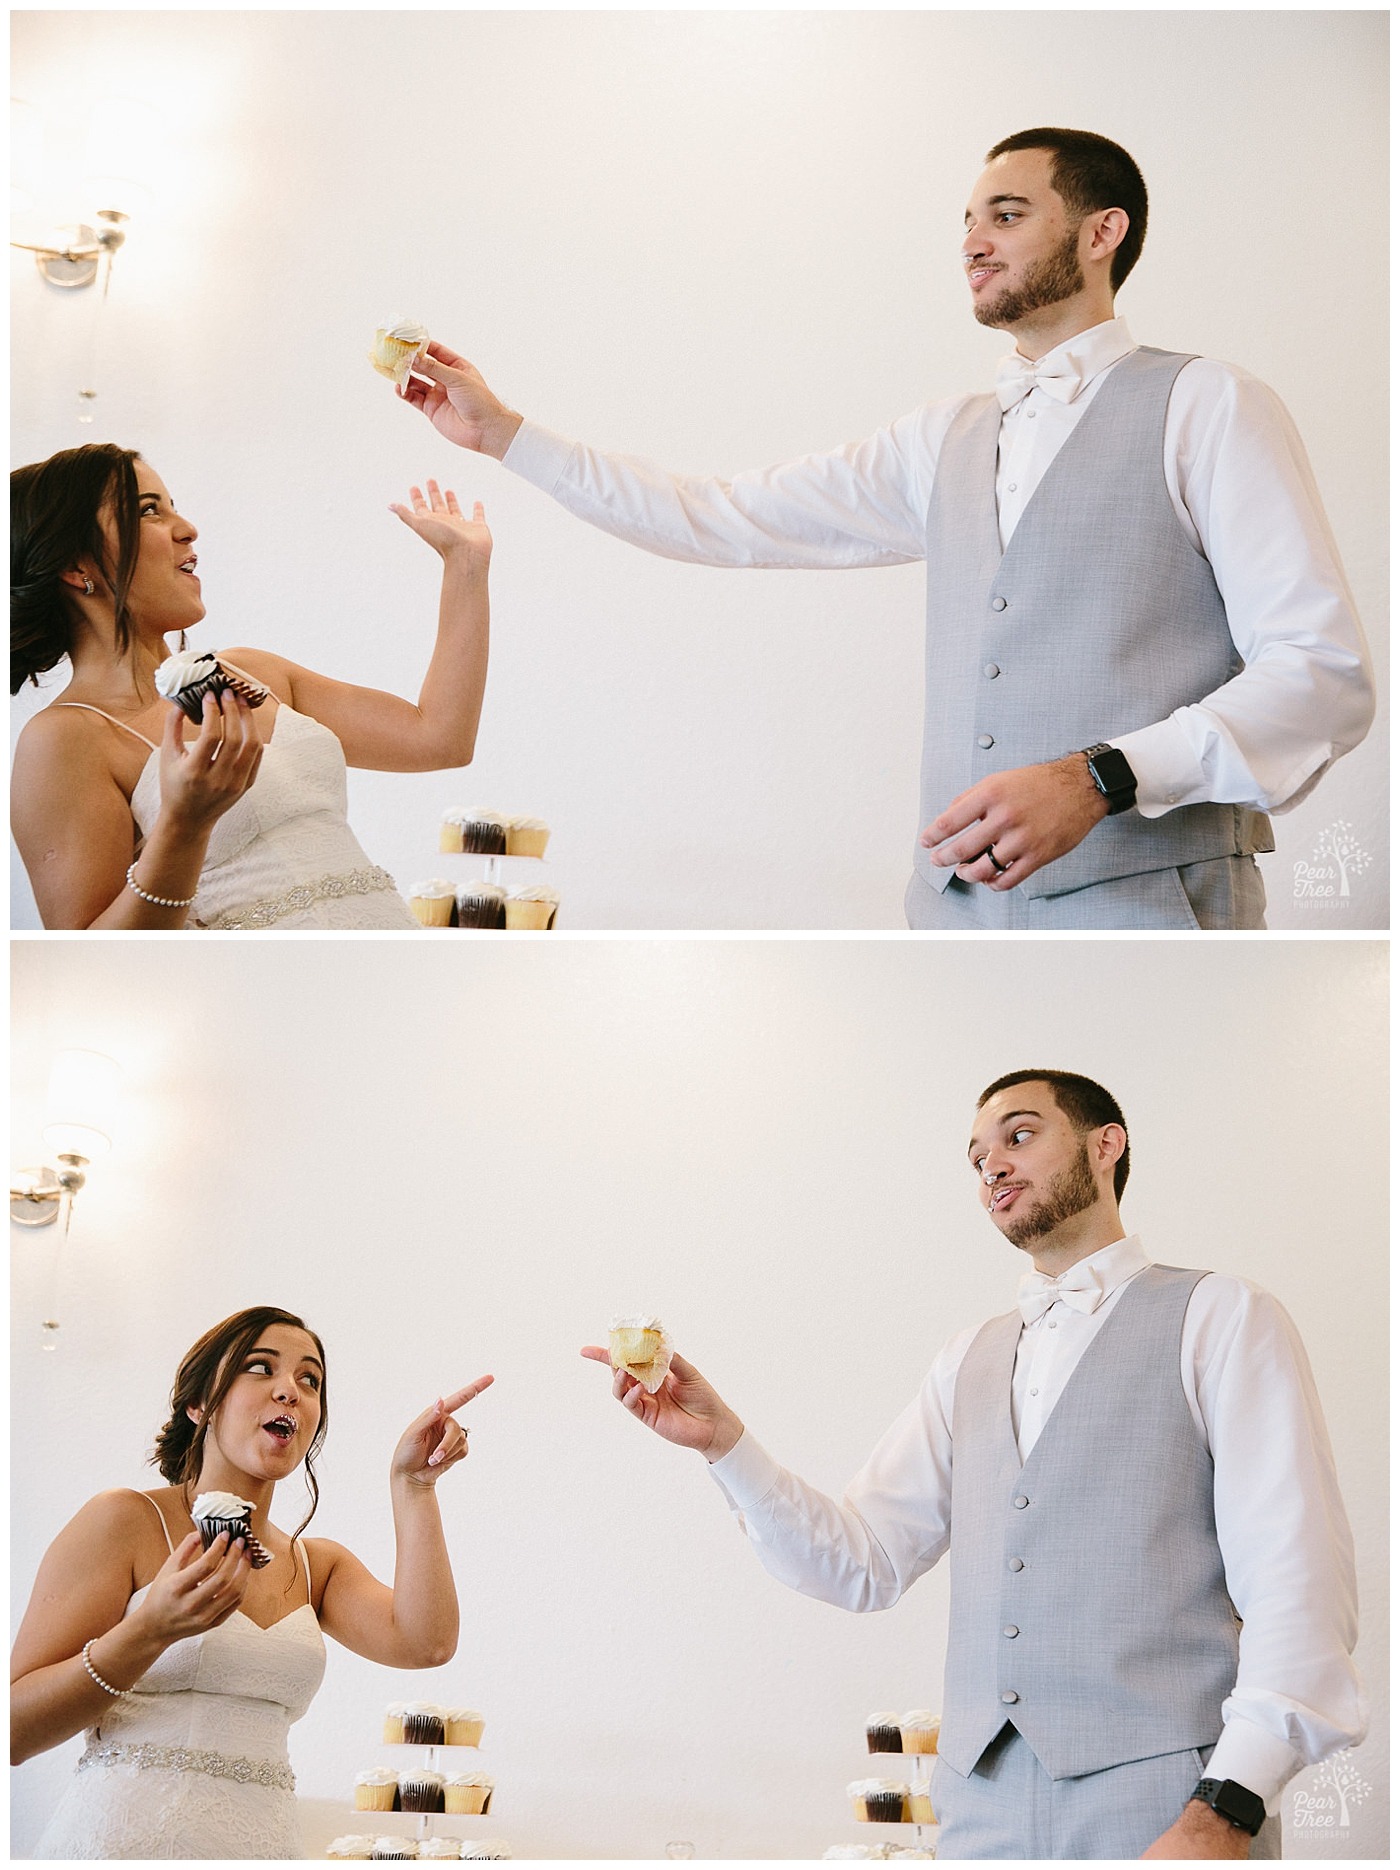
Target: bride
128,818
186,1666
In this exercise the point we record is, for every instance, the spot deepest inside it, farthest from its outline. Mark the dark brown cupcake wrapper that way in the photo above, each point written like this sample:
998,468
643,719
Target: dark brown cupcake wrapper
190,700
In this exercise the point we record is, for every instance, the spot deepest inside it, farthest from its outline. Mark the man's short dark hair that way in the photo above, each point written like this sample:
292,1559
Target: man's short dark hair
1087,1105
1088,172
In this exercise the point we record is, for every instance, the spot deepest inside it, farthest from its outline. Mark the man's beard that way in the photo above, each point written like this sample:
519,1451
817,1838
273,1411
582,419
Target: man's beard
1047,282
1070,1192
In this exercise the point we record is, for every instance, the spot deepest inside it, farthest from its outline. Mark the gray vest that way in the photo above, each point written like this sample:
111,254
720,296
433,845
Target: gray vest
1099,618
1089,1605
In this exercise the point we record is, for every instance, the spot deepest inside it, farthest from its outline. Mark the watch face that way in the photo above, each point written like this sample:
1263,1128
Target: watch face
1112,771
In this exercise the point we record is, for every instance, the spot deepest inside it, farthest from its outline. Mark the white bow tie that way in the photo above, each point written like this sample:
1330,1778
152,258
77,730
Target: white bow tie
1081,1288
1017,376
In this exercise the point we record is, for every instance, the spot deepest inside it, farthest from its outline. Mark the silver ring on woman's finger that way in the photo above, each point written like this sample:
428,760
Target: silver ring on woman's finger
996,863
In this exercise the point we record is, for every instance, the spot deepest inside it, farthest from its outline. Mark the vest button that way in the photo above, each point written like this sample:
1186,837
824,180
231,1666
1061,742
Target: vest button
992,671
985,740
1011,1630
1015,1564
998,603
1009,1694
1020,1500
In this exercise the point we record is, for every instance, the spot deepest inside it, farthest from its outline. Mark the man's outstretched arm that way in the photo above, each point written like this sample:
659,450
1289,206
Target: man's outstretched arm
861,505
859,1553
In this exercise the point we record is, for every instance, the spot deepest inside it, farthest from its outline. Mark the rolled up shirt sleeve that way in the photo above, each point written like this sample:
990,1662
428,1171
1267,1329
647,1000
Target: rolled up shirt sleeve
861,505
1245,492
861,1552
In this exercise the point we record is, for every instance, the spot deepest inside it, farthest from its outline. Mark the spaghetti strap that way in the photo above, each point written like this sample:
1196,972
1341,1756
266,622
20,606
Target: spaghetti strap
139,1495
88,708
306,1566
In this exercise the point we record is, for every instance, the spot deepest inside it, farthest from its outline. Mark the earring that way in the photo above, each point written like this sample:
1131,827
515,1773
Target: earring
87,587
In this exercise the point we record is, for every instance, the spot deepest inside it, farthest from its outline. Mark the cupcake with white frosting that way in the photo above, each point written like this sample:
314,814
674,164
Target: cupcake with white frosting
398,344
214,1513
420,1791
190,674
473,828
394,1848
532,908
434,903
638,1343
353,1846
468,1793
463,1726
918,1731
481,905
882,1734
879,1801
526,837
376,1790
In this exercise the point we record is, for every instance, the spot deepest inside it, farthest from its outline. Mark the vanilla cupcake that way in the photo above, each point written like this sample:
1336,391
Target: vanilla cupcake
394,1848
350,1847
393,1723
439,1847
638,1343
420,1792
481,906
882,1734
376,1790
465,828
214,1513
492,1850
526,837
468,1793
879,1801
397,346
920,1805
533,908
434,903
188,676
918,1731
463,1726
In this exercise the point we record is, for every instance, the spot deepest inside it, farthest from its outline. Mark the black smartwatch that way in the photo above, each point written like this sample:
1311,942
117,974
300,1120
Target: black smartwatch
1235,1804
1111,773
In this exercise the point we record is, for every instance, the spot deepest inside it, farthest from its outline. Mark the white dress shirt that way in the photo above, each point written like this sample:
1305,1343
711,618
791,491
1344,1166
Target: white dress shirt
1283,1531
1241,486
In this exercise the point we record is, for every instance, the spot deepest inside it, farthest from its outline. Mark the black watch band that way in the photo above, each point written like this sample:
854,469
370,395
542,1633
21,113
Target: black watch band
1111,773
1236,1804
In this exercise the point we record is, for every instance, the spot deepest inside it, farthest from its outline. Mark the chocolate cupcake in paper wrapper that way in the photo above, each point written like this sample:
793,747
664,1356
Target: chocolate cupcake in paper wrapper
398,344
472,829
481,905
639,1344
188,676
214,1513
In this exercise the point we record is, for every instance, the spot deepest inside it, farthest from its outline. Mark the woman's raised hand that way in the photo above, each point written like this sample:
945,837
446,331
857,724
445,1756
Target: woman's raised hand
201,778
195,1590
440,521
434,1441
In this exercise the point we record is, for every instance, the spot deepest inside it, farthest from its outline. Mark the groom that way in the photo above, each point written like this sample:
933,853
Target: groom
1153,1600
1140,639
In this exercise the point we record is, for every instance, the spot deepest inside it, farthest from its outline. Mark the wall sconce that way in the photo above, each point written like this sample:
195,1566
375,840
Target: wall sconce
78,1128
121,153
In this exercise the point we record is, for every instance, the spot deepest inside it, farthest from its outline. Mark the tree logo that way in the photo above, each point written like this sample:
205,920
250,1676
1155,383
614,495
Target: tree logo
1337,1790
1337,858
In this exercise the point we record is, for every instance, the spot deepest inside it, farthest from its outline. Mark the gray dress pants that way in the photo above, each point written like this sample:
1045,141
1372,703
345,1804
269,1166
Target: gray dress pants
1009,1807
1225,893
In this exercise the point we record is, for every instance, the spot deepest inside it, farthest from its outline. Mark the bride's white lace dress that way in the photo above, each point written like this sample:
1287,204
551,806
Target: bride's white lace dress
283,856
195,1764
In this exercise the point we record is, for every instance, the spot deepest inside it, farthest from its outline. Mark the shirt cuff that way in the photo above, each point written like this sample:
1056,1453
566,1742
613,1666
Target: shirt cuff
747,1473
538,455
1255,1759
1165,765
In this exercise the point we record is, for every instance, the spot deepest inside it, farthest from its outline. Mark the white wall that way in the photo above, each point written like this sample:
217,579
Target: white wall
718,238
454,1159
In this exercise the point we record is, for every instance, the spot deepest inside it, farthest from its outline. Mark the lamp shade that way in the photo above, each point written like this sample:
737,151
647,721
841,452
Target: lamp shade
82,1101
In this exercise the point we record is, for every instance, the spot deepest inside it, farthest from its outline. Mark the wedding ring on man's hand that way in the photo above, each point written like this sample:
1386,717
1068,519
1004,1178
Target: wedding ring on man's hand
991,857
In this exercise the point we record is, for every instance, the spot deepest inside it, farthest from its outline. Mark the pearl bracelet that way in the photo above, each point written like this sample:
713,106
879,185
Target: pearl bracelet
121,1694
161,902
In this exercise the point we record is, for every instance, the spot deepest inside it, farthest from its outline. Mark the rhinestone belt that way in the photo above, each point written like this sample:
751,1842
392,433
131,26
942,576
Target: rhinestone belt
270,909
191,1760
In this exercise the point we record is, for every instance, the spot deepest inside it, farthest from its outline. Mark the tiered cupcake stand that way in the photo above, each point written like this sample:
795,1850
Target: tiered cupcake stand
432,1759
914,1808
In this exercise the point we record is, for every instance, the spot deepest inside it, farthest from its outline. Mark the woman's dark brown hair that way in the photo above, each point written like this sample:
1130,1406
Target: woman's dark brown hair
205,1377
55,520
